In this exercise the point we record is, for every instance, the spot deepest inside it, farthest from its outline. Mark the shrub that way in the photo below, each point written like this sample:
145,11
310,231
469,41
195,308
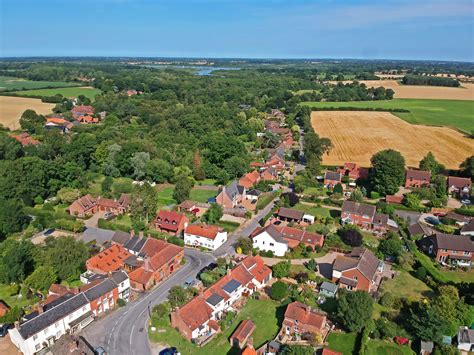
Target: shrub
374,194
281,269
387,300
279,290
121,302
351,235
161,310
421,273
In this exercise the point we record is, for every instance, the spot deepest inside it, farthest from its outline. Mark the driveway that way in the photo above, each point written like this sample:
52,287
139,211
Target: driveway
7,347
94,220
98,234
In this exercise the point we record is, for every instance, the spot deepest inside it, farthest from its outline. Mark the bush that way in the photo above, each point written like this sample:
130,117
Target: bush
121,302
281,269
280,290
161,310
421,273
176,241
374,194
351,235
387,300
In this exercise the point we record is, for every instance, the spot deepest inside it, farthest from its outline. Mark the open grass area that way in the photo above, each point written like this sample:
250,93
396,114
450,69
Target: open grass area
267,316
370,240
345,343
201,195
406,286
66,92
228,225
451,113
313,210
442,275
12,301
380,347
165,196
14,83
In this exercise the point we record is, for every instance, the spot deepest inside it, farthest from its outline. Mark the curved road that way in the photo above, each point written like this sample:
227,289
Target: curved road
124,331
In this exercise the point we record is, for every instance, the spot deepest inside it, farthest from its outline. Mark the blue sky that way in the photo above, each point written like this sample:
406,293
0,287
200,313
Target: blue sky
367,29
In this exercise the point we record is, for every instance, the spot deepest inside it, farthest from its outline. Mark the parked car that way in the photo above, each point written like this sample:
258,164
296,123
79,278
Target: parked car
100,351
48,231
466,201
401,340
108,215
4,329
432,220
169,351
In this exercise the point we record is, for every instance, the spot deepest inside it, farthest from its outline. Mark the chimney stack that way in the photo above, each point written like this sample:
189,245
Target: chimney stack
132,232
17,325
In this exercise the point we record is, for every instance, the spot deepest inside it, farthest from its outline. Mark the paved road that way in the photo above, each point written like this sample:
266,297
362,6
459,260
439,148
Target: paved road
124,331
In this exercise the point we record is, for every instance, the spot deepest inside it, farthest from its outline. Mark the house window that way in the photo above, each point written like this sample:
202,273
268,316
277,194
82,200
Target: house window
45,331
37,347
35,336
454,252
58,335
272,245
57,325
83,309
467,253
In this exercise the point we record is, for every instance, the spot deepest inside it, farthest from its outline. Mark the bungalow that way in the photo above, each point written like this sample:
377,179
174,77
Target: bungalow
197,319
278,239
250,179
394,199
25,139
290,215
170,222
231,196
459,186
331,179
353,171
242,334
455,249
358,270
301,319
417,178
420,229
205,236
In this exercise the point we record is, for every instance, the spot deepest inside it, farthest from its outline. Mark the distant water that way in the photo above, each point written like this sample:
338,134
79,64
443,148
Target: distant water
200,70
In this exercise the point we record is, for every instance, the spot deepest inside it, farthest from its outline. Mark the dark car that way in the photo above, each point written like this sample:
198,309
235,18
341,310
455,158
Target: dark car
48,231
169,351
4,329
432,220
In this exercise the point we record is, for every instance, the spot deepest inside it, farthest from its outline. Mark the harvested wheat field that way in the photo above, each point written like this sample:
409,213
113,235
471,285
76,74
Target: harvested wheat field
11,109
357,135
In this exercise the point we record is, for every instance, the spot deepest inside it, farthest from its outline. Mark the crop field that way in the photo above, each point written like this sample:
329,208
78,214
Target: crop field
14,83
357,135
66,92
451,113
465,92
11,109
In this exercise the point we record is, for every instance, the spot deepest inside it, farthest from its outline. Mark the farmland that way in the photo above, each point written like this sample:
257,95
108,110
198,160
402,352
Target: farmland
11,109
452,113
66,92
13,83
357,135
465,92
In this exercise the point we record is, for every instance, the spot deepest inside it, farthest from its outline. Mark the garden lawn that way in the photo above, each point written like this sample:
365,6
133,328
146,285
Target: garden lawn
343,342
380,347
451,113
12,301
266,315
165,196
66,92
228,225
14,83
313,210
265,199
199,195
441,275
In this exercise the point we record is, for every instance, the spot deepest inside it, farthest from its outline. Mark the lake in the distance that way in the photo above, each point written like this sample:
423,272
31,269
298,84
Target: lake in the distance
200,70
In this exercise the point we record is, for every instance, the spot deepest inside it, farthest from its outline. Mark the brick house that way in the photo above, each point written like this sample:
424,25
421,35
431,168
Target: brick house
353,171
417,178
170,222
242,334
81,110
25,139
250,179
459,186
358,270
301,319
448,248
331,179
231,196
360,214
87,205
111,259
291,215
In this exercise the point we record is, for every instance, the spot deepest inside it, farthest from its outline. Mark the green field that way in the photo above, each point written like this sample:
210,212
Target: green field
343,342
380,347
66,92
165,196
267,316
199,195
13,83
453,113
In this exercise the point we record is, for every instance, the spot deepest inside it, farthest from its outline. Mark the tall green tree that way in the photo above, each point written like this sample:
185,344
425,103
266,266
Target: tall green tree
12,217
429,163
16,260
41,279
467,167
32,122
144,203
182,189
388,171
354,309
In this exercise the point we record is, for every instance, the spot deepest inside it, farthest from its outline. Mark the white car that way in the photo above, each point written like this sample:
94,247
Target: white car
466,201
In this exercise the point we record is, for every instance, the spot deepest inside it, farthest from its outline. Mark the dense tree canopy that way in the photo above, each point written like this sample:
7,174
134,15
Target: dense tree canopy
388,171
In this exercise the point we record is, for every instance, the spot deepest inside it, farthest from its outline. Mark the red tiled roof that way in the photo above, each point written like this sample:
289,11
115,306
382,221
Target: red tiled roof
82,109
257,267
56,289
418,175
302,236
302,313
458,182
153,246
110,259
164,255
140,276
249,179
327,351
107,202
249,350
25,139
195,313
169,219
394,199
244,330
203,230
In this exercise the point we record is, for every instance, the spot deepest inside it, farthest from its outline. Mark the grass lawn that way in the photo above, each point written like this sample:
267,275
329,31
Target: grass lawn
343,342
380,347
201,195
453,113
265,199
370,240
266,315
14,83
442,275
12,301
228,226
124,220
317,191
165,196
313,210
66,92
207,182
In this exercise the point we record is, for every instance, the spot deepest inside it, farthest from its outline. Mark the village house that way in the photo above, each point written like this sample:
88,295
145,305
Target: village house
331,179
197,319
468,229
204,236
231,196
87,119
459,186
353,171
66,314
290,215
301,319
448,248
3,308
417,178
279,239
460,219
358,270
170,222
466,339
420,229
87,205
250,179
81,110
394,199
58,123
187,206
25,139
242,334
328,289
365,216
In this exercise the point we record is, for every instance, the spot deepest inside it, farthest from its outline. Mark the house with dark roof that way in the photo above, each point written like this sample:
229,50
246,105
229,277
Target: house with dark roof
417,178
358,270
285,214
449,248
459,186
468,229
231,196
420,229
301,319
170,222
465,339
332,178
197,319
365,216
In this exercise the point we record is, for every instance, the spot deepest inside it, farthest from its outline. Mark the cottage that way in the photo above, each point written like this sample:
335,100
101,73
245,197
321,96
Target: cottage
170,222
231,196
331,179
459,186
25,139
301,319
448,248
87,205
358,270
242,334
204,236
79,111
417,178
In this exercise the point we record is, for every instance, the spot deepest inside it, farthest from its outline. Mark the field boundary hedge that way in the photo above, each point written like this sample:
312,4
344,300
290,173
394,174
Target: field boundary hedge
353,108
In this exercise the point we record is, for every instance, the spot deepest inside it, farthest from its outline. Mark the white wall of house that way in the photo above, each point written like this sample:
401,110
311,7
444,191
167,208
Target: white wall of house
211,244
264,241
336,274
124,289
48,335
